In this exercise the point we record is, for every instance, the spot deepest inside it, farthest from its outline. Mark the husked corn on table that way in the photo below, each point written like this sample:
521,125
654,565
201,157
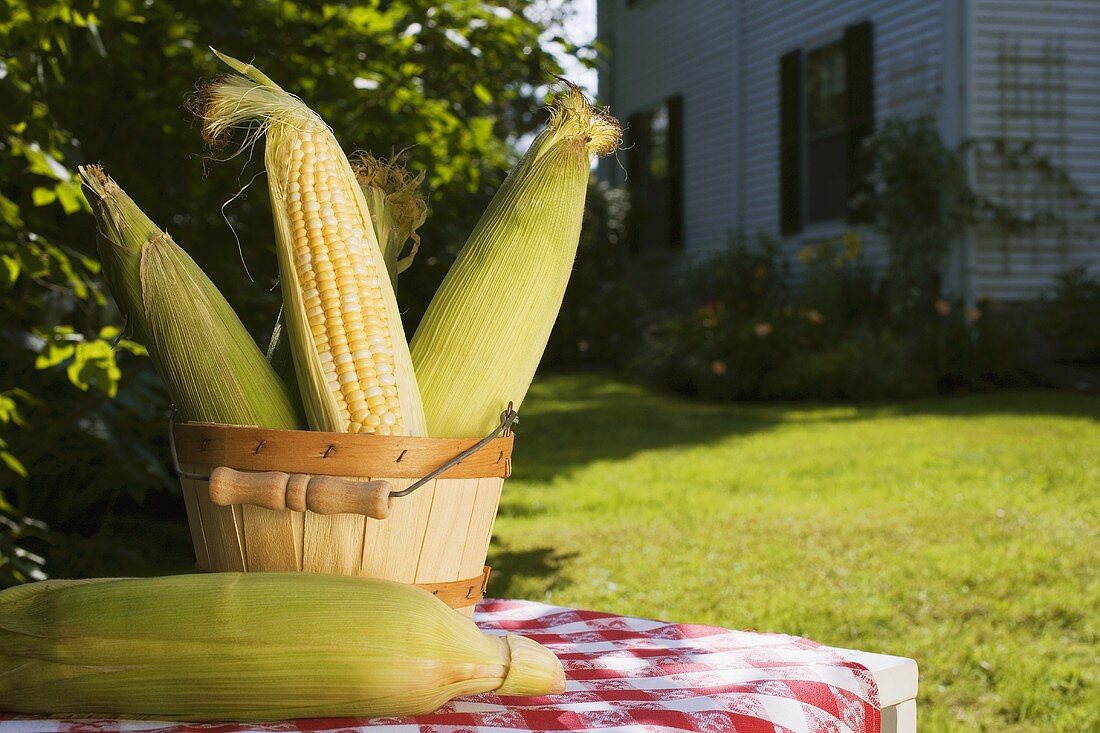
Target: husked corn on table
631,675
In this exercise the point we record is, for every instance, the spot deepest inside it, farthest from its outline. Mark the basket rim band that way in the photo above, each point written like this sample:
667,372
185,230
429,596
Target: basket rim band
460,593
205,446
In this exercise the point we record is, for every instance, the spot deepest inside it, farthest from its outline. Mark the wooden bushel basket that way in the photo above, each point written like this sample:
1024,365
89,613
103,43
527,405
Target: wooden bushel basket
293,500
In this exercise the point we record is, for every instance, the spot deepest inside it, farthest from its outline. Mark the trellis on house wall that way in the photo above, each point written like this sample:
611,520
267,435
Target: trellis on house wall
1022,169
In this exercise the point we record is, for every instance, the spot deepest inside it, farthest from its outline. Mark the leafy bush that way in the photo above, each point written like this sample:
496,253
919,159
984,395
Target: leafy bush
714,352
729,327
972,348
82,415
919,197
861,365
1071,317
750,327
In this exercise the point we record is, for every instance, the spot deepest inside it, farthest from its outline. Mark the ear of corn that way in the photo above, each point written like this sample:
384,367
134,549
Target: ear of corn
485,330
397,207
349,348
251,646
210,364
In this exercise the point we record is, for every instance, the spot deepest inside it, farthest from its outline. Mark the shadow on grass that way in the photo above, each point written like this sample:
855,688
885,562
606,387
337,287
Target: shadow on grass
511,567
570,421
1024,403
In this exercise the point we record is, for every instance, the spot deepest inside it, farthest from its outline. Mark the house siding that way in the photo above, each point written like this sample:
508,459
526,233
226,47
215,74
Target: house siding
908,74
1036,69
723,57
945,58
687,47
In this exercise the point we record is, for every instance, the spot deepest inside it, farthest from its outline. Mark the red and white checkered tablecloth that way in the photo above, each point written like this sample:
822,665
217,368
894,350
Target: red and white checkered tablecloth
625,675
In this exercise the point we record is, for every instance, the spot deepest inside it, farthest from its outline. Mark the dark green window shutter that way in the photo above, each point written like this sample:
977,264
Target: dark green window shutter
859,63
790,142
676,172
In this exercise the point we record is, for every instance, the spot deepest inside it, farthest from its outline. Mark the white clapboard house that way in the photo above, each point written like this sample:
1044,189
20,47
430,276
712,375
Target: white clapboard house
742,115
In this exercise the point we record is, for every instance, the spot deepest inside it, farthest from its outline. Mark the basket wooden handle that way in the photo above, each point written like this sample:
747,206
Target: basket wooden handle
300,492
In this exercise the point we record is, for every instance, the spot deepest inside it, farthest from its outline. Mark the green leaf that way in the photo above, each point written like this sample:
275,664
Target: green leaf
94,365
43,196
53,354
132,346
44,164
11,264
13,463
70,198
90,264
481,128
483,94
9,410
109,332
9,212
64,268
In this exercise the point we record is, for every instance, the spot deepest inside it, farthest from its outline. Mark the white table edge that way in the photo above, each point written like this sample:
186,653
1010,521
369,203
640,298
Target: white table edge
896,677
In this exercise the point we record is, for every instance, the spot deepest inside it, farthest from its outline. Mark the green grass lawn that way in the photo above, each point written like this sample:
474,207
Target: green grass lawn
959,531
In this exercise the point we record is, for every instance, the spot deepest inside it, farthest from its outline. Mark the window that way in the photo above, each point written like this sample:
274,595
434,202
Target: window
655,177
825,90
826,110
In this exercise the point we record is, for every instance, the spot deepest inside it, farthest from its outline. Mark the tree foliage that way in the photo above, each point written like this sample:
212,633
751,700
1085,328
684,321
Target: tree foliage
107,81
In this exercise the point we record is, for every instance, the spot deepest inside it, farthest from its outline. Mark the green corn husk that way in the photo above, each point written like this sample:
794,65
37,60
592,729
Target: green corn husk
397,208
212,368
250,647
485,330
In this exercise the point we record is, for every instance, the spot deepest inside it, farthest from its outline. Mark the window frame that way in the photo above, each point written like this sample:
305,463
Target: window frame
857,42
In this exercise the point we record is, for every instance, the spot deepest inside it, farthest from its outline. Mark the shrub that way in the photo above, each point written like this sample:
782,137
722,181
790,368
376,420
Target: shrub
861,365
732,322
1071,318
918,195
745,328
971,348
716,352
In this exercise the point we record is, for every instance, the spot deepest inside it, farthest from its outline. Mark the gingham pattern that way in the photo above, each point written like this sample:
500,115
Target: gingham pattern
625,675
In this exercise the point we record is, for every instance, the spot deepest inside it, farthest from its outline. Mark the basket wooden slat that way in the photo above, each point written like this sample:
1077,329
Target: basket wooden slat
480,531
439,560
268,538
194,522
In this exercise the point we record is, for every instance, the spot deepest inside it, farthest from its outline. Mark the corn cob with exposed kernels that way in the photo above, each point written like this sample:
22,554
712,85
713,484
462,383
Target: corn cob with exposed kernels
349,347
